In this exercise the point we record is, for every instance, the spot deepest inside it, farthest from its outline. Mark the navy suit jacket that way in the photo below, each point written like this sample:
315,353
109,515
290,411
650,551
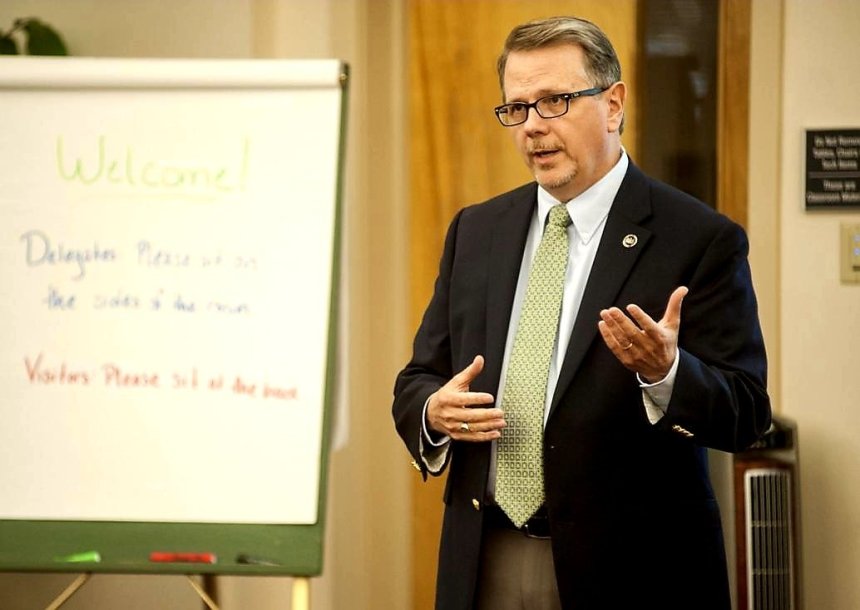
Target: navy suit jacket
633,517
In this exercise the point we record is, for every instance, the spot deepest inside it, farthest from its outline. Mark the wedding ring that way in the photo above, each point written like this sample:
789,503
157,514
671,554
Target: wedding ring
628,346
464,427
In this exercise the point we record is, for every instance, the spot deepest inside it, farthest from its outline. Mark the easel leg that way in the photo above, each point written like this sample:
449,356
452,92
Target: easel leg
63,597
301,594
203,595
209,583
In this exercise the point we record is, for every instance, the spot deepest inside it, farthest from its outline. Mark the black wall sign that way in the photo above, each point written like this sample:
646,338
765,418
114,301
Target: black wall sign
832,168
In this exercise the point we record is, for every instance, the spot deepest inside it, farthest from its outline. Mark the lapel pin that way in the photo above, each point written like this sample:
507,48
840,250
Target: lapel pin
629,240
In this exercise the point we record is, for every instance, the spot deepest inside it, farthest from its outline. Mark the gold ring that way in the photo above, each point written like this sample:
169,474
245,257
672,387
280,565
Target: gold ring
464,427
628,346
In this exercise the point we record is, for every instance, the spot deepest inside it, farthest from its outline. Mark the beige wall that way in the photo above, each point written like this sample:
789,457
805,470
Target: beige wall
806,62
366,554
820,319
150,28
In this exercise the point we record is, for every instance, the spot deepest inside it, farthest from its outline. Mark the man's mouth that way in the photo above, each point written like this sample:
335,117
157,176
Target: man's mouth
542,154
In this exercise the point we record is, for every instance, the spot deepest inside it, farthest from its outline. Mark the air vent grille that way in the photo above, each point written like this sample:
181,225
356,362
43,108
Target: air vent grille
769,539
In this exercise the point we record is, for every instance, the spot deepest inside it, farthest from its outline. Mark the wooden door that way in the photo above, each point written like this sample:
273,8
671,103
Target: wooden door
461,155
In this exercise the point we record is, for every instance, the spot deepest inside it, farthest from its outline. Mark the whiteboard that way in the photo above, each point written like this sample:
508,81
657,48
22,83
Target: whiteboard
167,265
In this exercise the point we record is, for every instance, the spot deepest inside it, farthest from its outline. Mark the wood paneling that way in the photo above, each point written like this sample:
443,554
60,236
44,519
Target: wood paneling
459,154
733,87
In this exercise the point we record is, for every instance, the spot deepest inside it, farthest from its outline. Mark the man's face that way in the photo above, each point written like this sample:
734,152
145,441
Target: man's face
569,153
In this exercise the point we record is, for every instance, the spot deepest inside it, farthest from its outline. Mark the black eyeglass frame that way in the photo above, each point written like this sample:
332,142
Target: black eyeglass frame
565,96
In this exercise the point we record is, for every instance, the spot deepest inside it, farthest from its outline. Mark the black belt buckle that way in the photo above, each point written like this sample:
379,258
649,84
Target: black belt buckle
536,527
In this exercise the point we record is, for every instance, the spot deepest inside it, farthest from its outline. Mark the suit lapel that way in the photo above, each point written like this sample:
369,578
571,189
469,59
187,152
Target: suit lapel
510,230
612,264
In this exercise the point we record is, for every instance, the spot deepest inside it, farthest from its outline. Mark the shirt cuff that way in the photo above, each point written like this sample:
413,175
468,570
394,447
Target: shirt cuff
656,396
427,436
434,454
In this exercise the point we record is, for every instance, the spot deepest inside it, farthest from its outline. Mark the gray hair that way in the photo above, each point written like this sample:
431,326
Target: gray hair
601,62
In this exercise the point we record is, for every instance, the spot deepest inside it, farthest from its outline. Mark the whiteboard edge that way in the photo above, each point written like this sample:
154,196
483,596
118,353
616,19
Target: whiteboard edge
117,73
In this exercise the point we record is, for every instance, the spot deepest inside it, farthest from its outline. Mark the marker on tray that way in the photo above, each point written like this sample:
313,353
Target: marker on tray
174,557
250,560
85,557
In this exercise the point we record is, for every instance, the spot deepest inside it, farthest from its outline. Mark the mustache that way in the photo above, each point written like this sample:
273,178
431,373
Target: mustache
536,147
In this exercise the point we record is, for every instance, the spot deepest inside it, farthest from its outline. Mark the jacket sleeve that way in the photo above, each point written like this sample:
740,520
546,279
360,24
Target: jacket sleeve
431,365
720,395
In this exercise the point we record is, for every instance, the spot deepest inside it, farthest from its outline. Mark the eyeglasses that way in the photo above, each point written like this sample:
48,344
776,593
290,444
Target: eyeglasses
549,107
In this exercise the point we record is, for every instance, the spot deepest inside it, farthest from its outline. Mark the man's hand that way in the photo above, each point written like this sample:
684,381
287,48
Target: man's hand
447,411
641,344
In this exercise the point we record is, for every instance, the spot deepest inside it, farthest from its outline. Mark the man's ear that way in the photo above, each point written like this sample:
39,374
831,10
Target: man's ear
616,97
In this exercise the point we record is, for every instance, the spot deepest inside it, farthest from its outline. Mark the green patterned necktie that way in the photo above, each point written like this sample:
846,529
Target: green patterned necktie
519,475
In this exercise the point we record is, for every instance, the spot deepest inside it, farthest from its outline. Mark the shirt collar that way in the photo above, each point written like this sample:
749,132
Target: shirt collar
589,209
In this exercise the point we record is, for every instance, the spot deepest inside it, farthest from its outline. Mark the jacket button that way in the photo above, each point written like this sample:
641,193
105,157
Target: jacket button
475,504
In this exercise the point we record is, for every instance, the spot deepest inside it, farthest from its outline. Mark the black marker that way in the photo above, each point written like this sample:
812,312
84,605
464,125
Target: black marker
250,560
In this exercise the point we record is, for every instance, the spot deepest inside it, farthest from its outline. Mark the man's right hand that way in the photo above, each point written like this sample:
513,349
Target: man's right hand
447,411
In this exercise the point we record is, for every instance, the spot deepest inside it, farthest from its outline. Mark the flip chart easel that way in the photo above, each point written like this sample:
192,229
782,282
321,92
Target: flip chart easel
169,269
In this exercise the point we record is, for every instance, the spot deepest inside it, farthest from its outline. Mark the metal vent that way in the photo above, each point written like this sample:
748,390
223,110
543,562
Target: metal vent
769,539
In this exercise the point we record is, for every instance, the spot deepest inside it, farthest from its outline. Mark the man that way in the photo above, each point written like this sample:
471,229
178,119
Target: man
571,377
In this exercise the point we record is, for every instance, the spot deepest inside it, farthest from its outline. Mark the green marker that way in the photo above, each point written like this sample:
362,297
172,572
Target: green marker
86,557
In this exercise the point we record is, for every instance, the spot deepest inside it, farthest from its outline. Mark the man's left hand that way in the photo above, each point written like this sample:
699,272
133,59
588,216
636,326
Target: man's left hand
641,344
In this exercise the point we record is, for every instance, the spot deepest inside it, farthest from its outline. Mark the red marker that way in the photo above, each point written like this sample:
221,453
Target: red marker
172,557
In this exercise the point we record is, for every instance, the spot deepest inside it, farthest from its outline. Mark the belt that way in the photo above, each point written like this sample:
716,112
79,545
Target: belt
536,527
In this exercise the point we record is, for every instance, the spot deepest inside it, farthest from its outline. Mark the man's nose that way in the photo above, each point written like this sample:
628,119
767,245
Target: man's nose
535,123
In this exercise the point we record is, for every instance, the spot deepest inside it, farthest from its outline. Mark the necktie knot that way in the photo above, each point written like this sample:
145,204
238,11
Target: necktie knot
558,216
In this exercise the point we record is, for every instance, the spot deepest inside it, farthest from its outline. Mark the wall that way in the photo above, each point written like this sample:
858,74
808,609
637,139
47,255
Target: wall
155,28
820,319
806,58
367,563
